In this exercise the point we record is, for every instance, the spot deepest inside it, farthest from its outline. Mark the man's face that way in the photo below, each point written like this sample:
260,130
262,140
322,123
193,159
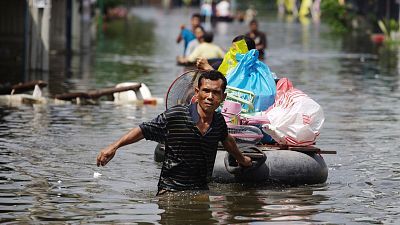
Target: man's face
195,21
198,32
253,26
210,95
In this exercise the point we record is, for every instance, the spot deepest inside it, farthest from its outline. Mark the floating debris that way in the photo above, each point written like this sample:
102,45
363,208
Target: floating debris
96,175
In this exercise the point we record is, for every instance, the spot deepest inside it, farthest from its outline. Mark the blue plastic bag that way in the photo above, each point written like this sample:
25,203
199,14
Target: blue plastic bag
253,75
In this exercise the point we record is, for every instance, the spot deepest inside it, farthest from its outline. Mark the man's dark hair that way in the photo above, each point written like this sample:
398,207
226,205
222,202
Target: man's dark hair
249,42
196,15
253,21
213,75
201,27
208,37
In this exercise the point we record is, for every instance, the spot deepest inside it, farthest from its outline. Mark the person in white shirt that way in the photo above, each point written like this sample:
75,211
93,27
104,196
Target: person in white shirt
206,49
223,8
206,8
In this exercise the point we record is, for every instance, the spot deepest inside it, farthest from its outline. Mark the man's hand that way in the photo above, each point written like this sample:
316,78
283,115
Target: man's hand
105,156
202,64
246,162
108,153
181,59
230,145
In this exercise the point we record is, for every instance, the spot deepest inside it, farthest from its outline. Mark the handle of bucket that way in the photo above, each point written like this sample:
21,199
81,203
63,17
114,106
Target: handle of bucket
257,158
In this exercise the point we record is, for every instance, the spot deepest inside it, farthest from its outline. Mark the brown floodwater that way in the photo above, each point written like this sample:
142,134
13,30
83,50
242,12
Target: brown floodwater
48,151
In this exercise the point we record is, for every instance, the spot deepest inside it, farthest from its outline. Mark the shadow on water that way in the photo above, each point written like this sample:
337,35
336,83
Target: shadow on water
240,204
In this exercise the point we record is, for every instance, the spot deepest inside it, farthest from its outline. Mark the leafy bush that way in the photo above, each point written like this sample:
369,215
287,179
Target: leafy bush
338,16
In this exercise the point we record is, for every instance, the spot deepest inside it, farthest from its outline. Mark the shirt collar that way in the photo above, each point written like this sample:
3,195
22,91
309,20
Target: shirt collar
193,113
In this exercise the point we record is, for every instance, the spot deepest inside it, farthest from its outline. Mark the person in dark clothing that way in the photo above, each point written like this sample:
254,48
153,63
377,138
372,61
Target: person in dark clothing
259,38
191,134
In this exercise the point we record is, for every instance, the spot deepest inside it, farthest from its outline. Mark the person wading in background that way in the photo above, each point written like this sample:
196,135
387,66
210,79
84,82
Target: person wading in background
260,38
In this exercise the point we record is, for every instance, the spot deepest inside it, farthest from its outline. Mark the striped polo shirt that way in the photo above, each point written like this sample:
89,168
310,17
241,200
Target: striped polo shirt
189,155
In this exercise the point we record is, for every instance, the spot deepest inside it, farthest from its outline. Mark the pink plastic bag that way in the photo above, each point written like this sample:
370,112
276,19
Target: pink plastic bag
294,119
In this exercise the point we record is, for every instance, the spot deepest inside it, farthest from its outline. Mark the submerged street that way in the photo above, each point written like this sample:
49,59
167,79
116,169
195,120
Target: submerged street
48,152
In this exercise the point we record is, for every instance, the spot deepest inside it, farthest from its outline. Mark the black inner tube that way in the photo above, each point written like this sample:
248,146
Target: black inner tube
257,156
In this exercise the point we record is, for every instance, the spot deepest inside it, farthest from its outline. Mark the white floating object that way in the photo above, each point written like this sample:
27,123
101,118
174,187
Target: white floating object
59,181
37,93
96,175
131,96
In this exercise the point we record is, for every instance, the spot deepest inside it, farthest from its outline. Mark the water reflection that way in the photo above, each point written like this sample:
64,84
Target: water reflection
134,42
238,204
124,53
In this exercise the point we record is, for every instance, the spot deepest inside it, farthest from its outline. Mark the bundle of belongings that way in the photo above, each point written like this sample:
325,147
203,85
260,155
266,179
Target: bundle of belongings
282,113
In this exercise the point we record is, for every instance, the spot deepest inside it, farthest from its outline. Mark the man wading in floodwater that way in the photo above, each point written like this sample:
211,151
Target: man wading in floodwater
191,134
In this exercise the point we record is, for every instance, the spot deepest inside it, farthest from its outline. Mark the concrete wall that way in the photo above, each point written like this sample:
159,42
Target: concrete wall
36,40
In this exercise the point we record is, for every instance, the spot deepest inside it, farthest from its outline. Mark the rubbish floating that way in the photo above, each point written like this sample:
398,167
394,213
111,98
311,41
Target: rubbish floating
96,175
123,93
12,95
97,93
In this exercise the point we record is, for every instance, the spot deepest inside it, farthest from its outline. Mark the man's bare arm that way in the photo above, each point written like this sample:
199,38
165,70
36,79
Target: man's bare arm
202,64
179,38
108,153
230,145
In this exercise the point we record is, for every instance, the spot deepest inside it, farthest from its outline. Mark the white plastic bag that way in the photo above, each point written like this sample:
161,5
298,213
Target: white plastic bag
294,119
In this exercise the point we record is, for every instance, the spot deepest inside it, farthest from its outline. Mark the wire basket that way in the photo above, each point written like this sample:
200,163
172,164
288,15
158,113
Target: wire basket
181,90
244,97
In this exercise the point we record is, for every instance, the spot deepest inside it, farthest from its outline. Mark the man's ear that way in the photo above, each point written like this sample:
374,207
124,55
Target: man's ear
196,91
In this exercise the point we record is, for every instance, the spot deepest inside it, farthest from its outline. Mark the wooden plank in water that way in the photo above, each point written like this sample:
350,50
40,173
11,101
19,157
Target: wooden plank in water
97,93
22,87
